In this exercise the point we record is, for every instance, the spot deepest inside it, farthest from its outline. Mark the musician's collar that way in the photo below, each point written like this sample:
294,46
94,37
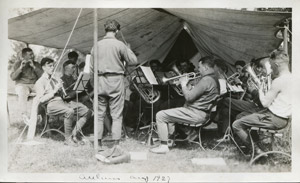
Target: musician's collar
209,74
45,75
109,36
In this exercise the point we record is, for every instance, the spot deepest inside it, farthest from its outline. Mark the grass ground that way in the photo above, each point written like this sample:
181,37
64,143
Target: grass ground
55,157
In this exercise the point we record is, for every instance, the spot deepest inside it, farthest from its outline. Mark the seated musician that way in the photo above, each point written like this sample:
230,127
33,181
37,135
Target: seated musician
69,80
25,73
195,109
73,56
177,100
241,106
84,97
277,102
49,92
242,77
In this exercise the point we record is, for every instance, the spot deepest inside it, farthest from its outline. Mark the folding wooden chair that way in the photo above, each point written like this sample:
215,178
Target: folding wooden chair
47,126
200,126
281,136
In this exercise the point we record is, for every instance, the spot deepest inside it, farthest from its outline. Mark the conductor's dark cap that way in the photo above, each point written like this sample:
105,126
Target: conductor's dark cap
112,26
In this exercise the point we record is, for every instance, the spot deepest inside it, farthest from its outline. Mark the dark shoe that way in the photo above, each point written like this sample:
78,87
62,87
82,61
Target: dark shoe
258,151
78,141
171,143
70,142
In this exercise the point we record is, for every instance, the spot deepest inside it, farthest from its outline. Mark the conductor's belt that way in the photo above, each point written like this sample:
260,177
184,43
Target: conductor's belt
111,74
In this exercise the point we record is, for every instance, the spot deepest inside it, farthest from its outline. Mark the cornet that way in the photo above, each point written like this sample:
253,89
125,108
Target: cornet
190,76
231,78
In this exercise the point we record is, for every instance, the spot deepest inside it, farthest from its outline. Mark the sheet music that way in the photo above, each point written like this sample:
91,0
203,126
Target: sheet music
223,88
149,75
87,64
82,80
235,88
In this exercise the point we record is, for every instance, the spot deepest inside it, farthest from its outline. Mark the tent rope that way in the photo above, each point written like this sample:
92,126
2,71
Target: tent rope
69,38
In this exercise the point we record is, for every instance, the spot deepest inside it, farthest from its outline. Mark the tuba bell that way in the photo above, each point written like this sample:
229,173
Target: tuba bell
147,92
262,81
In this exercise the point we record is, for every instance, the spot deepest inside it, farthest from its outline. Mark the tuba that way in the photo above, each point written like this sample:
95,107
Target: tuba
262,81
266,80
143,87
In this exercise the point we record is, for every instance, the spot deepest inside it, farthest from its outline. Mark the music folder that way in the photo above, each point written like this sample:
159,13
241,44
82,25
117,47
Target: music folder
82,81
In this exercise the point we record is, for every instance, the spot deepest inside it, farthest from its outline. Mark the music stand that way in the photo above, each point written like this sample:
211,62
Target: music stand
82,81
229,132
145,78
81,86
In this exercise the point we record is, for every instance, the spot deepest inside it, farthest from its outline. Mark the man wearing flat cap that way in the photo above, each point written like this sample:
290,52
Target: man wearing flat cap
111,58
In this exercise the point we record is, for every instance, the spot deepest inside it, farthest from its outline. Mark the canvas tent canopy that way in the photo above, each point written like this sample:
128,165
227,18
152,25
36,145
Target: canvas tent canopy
230,34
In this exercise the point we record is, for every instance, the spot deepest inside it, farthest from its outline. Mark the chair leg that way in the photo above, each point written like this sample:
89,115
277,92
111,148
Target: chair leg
200,141
254,158
20,136
267,153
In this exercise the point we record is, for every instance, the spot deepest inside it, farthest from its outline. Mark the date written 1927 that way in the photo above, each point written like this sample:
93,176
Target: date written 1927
146,179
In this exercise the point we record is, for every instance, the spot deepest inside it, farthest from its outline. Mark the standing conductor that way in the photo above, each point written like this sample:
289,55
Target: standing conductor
112,55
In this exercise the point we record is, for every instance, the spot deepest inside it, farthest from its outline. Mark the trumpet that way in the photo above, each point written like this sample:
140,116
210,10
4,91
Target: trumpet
190,76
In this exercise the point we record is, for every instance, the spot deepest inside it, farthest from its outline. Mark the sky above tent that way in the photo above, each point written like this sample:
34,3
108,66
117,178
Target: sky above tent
230,34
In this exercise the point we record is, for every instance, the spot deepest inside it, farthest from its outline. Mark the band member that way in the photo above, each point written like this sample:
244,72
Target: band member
176,100
69,83
49,92
242,78
155,65
277,101
25,73
249,104
73,56
195,109
185,66
111,56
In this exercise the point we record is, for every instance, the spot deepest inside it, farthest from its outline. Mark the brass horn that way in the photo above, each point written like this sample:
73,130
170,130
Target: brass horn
149,94
262,81
231,78
253,77
190,75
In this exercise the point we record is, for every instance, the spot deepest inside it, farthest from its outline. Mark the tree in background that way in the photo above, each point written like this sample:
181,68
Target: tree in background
17,46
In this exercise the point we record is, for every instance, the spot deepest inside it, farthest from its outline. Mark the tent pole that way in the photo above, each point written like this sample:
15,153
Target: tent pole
285,43
95,81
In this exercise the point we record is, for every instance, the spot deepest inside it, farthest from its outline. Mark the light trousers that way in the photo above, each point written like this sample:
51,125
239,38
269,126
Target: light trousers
23,91
166,119
263,119
111,93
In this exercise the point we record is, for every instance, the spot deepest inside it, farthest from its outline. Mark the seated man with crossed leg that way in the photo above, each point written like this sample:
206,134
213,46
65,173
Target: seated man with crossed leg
49,92
25,73
277,102
196,106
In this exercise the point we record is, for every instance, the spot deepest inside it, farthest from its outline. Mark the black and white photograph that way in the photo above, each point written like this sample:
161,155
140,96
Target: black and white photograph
157,92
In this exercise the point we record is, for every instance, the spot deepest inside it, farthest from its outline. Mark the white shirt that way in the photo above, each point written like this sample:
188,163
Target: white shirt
282,104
